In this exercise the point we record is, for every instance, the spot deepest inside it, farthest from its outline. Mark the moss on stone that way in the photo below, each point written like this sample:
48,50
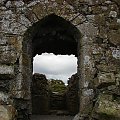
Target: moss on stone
107,106
57,86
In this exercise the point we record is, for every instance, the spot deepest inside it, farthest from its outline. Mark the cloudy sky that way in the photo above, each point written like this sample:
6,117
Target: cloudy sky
57,67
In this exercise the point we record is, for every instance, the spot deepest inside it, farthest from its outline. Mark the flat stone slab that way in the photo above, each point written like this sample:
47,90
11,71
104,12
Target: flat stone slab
51,117
6,72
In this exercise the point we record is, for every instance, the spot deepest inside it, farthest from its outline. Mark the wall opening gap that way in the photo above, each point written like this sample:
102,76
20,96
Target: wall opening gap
54,79
58,67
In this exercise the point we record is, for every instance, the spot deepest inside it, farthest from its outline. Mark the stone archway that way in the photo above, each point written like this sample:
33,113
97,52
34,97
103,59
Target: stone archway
52,34
88,31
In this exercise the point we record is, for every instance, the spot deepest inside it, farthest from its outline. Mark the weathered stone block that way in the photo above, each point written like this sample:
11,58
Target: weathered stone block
6,72
113,14
26,95
15,42
86,40
17,84
97,50
107,106
88,29
118,79
4,98
8,57
106,68
4,48
113,89
38,10
100,19
7,112
115,53
114,25
102,32
25,60
96,9
3,41
86,98
114,37
8,52
20,87
105,79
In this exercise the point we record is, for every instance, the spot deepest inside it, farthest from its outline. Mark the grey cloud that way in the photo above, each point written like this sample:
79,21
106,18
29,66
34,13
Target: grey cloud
60,66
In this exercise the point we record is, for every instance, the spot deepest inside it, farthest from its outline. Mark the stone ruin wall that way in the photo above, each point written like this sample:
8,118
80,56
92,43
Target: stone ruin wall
72,97
98,54
40,94
63,102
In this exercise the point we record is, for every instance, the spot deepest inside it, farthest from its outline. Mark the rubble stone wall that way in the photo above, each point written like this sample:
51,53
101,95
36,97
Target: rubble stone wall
98,54
40,94
72,97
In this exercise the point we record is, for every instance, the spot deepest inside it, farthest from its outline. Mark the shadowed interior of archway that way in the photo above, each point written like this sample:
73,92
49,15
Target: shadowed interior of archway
54,34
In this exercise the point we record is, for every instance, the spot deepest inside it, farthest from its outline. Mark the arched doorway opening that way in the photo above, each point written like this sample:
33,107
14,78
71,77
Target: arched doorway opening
52,34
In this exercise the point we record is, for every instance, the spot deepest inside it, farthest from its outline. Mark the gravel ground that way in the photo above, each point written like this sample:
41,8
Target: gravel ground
50,117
